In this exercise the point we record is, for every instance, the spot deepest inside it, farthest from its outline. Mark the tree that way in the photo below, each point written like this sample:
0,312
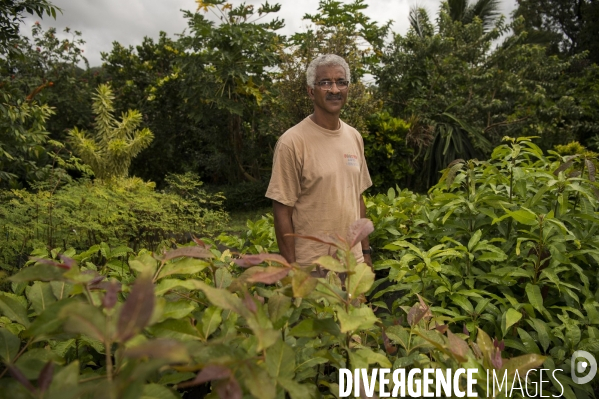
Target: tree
110,151
12,13
469,95
148,77
226,67
564,26
23,138
341,29
459,11
47,69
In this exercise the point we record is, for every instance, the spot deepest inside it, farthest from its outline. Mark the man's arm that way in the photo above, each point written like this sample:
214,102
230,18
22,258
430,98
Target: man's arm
365,243
284,225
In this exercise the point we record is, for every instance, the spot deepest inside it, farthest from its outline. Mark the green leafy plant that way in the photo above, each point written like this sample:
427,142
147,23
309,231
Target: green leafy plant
110,151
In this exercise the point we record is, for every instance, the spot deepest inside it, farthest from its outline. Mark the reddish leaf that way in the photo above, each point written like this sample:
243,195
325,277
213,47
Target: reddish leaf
390,349
455,162
441,328
94,280
191,252
359,230
52,263
209,373
457,346
229,389
17,375
418,312
465,330
496,359
270,275
253,260
110,298
477,352
249,303
137,310
259,298
591,168
563,166
67,261
45,377
201,243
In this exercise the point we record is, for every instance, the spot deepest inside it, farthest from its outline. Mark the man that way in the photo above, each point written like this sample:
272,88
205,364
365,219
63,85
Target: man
319,170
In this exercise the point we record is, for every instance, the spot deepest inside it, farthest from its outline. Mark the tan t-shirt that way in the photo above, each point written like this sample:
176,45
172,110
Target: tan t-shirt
321,174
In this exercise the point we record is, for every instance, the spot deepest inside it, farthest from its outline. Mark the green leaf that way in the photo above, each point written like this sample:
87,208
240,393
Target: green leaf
38,272
474,240
40,295
181,330
184,266
9,345
528,341
280,360
13,309
157,391
374,357
211,319
66,379
329,263
176,309
314,327
302,284
297,390
356,319
360,280
85,319
167,285
223,278
542,335
144,264
50,320
278,305
522,364
533,292
462,302
509,318
259,383
223,298
524,216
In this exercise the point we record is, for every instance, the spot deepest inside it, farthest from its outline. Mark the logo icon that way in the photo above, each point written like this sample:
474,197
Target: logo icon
589,364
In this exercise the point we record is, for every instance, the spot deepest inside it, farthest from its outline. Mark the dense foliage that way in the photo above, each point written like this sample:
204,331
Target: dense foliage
120,212
479,258
117,281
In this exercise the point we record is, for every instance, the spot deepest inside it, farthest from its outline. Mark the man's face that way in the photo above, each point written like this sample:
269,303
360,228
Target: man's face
330,101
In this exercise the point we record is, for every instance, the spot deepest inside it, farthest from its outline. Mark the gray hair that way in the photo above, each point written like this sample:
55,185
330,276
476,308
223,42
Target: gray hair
325,60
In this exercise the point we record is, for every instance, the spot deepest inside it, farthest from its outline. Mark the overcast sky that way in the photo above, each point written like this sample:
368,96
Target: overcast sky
127,21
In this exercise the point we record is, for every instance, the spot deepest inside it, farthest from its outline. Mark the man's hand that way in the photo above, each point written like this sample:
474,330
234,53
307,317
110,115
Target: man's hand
284,225
365,243
368,260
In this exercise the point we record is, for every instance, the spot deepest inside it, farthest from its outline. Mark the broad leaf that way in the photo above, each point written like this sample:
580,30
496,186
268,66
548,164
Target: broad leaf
137,310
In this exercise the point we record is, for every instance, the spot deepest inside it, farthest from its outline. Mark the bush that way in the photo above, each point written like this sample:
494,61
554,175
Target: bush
117,212
509,246
244,196
495,269
139,328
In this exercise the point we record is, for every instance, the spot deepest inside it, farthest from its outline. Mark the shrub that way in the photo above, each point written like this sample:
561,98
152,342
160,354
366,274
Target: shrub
121,211
509,246
142,327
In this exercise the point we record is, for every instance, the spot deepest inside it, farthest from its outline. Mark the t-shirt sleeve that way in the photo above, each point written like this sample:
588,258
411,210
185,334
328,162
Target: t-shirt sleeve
365,180
284,186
